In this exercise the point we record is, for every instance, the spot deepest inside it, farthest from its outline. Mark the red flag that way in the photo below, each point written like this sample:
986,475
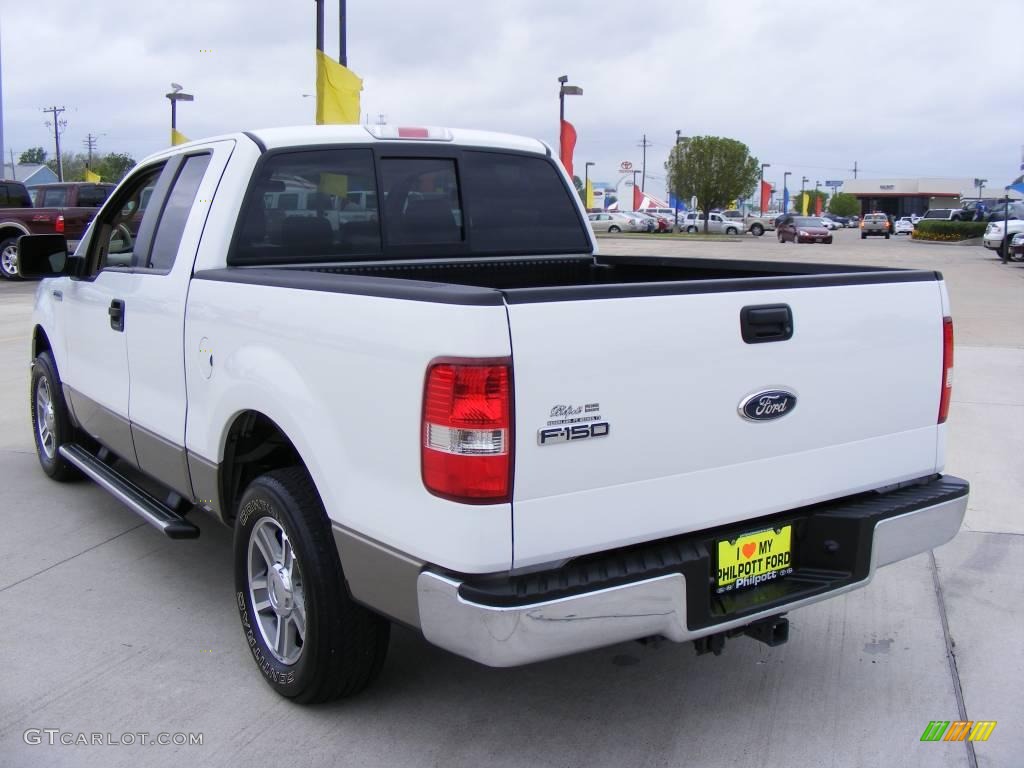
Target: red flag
567,145
766,195
817,206
638,198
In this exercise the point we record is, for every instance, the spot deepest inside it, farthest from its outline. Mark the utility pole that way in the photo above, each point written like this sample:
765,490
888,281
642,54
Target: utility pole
14,173
854,169
89,142
59,124
644,144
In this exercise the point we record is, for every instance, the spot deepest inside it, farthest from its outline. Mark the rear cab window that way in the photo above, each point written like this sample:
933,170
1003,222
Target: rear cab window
351,203
54,198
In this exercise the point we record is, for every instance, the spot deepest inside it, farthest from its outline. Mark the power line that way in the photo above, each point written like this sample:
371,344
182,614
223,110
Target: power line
644,144
59,124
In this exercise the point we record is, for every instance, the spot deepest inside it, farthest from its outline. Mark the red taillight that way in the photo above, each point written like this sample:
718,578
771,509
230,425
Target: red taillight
59,225
947,368
413,133
467,431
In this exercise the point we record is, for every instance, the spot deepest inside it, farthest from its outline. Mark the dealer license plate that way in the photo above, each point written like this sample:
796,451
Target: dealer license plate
754,558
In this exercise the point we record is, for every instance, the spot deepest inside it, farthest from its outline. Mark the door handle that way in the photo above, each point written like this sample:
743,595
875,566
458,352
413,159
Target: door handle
116,312
766,322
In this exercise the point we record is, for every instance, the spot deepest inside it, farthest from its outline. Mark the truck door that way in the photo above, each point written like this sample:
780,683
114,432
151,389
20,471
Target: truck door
155,332
97,307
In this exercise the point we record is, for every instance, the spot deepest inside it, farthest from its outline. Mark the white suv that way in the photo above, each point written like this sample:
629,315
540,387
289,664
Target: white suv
717,224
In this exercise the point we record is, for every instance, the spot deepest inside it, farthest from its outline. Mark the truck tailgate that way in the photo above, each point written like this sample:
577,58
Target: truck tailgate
668,373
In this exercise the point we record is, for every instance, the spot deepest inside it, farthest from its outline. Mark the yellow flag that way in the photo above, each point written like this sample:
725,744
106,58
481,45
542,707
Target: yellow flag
177,137
588,193
333,184
804,199
337,92
93,177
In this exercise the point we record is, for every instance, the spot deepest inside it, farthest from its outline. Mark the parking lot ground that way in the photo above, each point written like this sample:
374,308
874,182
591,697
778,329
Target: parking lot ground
109,627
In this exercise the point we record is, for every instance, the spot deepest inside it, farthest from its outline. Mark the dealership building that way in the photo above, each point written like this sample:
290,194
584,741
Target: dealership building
903,197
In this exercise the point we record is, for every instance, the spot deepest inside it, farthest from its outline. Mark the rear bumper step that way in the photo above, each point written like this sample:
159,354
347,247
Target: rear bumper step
666,587
140,501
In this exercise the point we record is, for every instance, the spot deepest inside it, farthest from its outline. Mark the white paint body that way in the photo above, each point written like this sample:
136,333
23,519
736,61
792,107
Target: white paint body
342,375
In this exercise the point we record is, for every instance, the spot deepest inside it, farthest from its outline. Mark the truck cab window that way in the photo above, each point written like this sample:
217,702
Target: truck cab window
116,230
176,211
55,198
315,205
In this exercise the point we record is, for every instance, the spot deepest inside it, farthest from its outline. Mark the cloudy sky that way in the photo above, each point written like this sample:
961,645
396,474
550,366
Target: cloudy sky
928,88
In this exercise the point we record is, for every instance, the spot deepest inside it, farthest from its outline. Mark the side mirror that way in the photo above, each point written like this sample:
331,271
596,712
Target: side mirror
43,256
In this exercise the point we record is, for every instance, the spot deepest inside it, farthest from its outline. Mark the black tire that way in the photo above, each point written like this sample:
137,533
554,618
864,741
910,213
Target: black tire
57,425
732,231
863,236
691,230
9,258
887,236
613,229
757,230
343,646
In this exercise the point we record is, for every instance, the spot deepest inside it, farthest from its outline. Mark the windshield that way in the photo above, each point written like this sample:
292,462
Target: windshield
940,213
806,221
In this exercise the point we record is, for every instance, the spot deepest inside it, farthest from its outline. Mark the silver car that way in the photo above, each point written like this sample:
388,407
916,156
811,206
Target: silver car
614,222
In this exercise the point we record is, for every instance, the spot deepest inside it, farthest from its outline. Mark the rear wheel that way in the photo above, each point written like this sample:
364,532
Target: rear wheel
757,230
613,229
311,642
732,231
886,235
9,258
691,230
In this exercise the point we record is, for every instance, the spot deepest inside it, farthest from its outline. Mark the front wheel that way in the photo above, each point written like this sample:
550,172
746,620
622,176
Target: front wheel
732,231
51,424
9,258
311,642
613,230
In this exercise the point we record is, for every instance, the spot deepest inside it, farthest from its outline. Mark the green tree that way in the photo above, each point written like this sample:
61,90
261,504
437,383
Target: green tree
74,166
812,195
715,169
33,156
114,166
844,204
576,182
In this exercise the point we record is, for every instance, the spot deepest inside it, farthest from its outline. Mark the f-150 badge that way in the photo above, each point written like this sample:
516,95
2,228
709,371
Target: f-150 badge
573,422
767,405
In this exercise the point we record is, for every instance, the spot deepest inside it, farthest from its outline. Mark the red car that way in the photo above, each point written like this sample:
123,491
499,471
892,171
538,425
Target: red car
803,229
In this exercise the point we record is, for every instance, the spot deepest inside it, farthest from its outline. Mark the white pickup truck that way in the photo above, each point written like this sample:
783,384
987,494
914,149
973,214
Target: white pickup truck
393,362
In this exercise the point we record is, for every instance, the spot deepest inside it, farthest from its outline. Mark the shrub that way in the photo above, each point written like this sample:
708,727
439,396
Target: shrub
936,229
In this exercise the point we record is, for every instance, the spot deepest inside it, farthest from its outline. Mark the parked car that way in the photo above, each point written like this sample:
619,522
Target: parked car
945,214
829,224
14,194
994,232
999,211
757,225
875,224
63,209
343,395
803,229
613,222
1017,247
717,224
904,226
647,222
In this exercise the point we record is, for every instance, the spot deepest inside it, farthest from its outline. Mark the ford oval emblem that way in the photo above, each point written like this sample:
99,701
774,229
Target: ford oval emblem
767,405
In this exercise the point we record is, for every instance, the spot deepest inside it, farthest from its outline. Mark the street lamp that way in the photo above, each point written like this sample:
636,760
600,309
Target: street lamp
586,181
803,181
981,185
761,186
176,95
785,191
679,140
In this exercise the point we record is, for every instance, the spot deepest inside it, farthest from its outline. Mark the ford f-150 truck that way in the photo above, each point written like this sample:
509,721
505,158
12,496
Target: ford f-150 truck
64,208
393,362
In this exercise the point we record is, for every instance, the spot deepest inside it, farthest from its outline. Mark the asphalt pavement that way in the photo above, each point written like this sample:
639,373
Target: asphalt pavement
109,628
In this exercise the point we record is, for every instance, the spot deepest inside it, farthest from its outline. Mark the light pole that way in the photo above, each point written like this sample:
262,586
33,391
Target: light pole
1004,252
981,186
586,181
176,95
803,181
672,172
564,90
760,189
785,191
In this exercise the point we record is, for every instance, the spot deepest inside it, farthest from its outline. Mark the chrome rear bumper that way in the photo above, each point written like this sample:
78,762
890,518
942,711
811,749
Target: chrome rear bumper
511,636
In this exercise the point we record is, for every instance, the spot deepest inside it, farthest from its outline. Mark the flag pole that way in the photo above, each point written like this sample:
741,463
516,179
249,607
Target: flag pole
319,24
342,34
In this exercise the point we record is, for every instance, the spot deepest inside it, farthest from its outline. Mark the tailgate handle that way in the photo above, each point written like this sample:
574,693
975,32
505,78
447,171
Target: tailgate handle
766,322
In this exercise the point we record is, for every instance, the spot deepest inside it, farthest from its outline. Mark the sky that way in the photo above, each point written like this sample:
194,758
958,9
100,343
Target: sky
915,88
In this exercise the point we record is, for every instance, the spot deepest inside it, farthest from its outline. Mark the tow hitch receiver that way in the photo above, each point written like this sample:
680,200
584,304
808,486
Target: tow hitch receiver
771,631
